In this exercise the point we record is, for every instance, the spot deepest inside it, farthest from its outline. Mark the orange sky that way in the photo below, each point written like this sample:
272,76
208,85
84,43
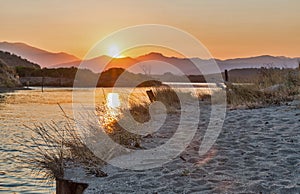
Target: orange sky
229,29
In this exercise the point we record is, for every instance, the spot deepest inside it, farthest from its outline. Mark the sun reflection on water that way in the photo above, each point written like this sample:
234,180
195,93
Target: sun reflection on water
108,114
113,100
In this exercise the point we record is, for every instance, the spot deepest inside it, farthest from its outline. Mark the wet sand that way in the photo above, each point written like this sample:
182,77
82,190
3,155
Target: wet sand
258,151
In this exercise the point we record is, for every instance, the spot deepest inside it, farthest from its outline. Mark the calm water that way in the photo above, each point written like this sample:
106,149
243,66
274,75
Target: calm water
28,108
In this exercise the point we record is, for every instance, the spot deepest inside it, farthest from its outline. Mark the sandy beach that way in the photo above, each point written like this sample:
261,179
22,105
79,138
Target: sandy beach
258,151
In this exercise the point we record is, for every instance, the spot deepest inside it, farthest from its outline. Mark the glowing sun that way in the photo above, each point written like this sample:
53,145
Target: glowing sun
114,52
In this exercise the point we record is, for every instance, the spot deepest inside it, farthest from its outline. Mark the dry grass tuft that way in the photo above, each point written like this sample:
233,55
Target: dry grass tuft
140,111
124,137
52,146
272,87
110,123
248,96
167,96
139,108
47,152
274,76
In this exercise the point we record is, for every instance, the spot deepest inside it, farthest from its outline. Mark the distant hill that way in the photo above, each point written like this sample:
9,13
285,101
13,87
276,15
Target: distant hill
16,61
258,62
36,55
101,63
156,63
8,64
8,77
152,63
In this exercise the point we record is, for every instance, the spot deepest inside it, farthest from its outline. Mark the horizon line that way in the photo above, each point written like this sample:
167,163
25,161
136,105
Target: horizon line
154,52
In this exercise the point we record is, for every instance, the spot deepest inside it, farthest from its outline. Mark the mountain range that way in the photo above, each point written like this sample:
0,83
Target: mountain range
152,63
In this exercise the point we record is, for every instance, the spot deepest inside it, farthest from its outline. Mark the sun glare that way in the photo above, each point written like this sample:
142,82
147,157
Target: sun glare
114,52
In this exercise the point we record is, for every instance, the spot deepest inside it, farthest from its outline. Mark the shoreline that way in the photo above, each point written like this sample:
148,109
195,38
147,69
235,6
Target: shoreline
7,90
256,150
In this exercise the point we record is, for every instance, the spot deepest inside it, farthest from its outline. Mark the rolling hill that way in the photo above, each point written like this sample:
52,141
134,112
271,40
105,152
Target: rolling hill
156,63
8,64
13,60
8,78
36,55
99,64
259,61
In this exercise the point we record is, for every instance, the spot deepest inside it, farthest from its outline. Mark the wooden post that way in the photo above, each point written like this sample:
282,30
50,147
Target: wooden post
69,187
150,95
27,84
226,75
43,80
43,84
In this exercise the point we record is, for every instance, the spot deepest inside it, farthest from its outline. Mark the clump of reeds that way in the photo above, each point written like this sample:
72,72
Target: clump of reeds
110,123
52,146
273,76
167,96
124,137
140,111
139,108
252,96
245,95
273,86
47,151
172,98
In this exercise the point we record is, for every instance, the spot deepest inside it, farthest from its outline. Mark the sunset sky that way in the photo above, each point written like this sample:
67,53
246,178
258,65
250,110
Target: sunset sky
229,29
